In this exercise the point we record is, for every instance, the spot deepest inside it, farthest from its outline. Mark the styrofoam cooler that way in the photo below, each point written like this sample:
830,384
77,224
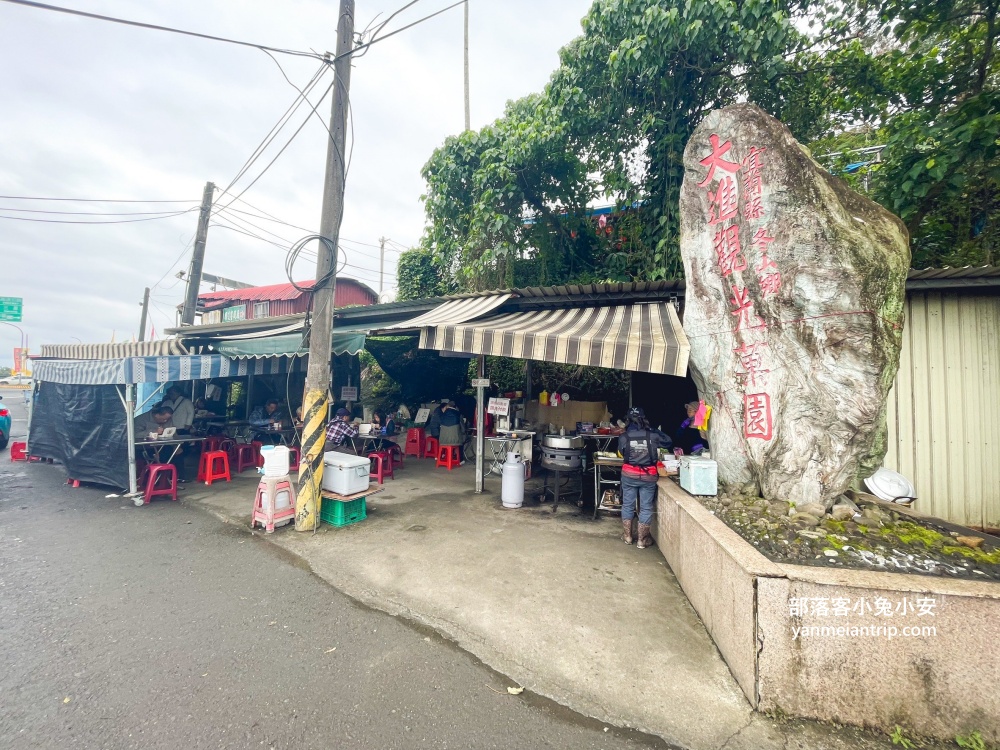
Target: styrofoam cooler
699,476
345,474
276,460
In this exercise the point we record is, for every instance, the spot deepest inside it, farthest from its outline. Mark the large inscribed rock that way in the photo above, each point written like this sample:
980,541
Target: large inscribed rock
793,308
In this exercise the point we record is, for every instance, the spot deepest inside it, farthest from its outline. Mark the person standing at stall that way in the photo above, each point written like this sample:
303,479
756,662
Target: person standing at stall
452,431
638,446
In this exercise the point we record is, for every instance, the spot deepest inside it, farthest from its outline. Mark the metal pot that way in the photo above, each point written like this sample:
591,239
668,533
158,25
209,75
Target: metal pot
565,442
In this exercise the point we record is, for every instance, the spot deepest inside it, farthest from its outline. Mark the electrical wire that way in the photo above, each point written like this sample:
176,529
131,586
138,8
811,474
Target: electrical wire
117,221
282,150
265,216
88,213
366,45
276,128
293,254
156,27
88,200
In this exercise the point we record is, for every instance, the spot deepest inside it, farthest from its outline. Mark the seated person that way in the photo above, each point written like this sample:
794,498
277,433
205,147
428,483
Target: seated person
297,422
153,421
434,421
383,424
201,409
688,438
270,416
182,407
340,431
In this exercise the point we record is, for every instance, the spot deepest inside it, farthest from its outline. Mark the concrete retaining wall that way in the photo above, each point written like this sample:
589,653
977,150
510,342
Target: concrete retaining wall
817,642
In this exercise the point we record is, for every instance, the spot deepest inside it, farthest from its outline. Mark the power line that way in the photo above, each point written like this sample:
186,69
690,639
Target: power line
366,45
88,200
88,213
156,27
271,217
372,273
69,221
275,129
287,144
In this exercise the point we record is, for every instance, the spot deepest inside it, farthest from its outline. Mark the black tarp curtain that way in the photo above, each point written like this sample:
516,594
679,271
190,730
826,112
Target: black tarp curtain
83,427
422,375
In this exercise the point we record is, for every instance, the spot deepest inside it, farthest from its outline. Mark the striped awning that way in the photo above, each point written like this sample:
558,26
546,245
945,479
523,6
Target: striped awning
158,348
453,312
158,369
640,337
79,371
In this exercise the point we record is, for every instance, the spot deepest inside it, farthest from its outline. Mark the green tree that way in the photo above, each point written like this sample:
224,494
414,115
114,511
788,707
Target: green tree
418,275
929,83
613,121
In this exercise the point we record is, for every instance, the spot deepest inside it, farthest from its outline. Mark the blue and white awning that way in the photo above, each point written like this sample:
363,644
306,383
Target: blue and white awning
164,369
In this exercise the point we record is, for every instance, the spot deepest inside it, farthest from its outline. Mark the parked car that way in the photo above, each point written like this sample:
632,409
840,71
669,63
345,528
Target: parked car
13,381
4,425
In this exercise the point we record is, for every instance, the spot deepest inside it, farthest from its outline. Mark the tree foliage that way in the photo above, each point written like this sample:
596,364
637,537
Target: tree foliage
419,275
506,204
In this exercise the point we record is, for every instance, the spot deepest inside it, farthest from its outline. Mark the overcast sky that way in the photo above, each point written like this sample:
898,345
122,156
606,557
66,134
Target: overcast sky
97,110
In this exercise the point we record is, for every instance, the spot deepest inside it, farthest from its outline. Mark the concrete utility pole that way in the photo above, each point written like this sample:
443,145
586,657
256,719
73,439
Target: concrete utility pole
145,312
197,257
315,405
468,116
381,264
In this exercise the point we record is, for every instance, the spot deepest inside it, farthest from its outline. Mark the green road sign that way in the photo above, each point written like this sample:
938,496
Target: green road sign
10,309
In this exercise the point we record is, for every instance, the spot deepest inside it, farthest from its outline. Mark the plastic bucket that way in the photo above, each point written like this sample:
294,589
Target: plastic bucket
275,460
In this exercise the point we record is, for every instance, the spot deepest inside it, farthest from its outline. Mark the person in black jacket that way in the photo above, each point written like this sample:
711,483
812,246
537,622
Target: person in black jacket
638,445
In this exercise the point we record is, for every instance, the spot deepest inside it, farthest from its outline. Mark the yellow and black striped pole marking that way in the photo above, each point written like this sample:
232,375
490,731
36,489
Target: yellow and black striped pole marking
308,499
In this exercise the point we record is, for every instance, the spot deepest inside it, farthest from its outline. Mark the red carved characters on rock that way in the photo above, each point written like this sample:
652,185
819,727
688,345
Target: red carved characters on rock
715,160
727,250
752,361
723,204
757,421
743,309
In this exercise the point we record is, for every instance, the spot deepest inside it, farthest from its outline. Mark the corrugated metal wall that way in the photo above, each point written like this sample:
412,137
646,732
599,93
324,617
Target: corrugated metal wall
944,409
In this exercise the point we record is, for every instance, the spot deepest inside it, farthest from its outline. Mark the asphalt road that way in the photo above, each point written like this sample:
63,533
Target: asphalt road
162,627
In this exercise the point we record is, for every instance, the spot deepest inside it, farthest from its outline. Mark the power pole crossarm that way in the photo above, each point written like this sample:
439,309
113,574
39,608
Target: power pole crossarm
197,257
315,406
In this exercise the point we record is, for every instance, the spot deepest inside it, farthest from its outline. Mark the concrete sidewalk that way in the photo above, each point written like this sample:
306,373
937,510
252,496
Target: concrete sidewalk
556,602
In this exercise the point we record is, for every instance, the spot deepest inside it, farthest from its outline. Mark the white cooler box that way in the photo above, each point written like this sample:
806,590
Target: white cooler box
699,476
345,474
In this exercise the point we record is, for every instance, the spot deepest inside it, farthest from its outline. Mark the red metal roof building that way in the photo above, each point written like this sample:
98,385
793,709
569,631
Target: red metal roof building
274,300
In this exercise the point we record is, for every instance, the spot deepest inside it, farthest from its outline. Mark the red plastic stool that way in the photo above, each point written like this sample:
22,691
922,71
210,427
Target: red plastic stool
213,465
294,458
18,451
415,440
396,453
275,501
213,443
382,466
432,448
246,457
73,482
257,445
156,473
448,456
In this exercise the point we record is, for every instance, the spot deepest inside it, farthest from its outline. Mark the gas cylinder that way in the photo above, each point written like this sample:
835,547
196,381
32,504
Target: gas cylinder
512,484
